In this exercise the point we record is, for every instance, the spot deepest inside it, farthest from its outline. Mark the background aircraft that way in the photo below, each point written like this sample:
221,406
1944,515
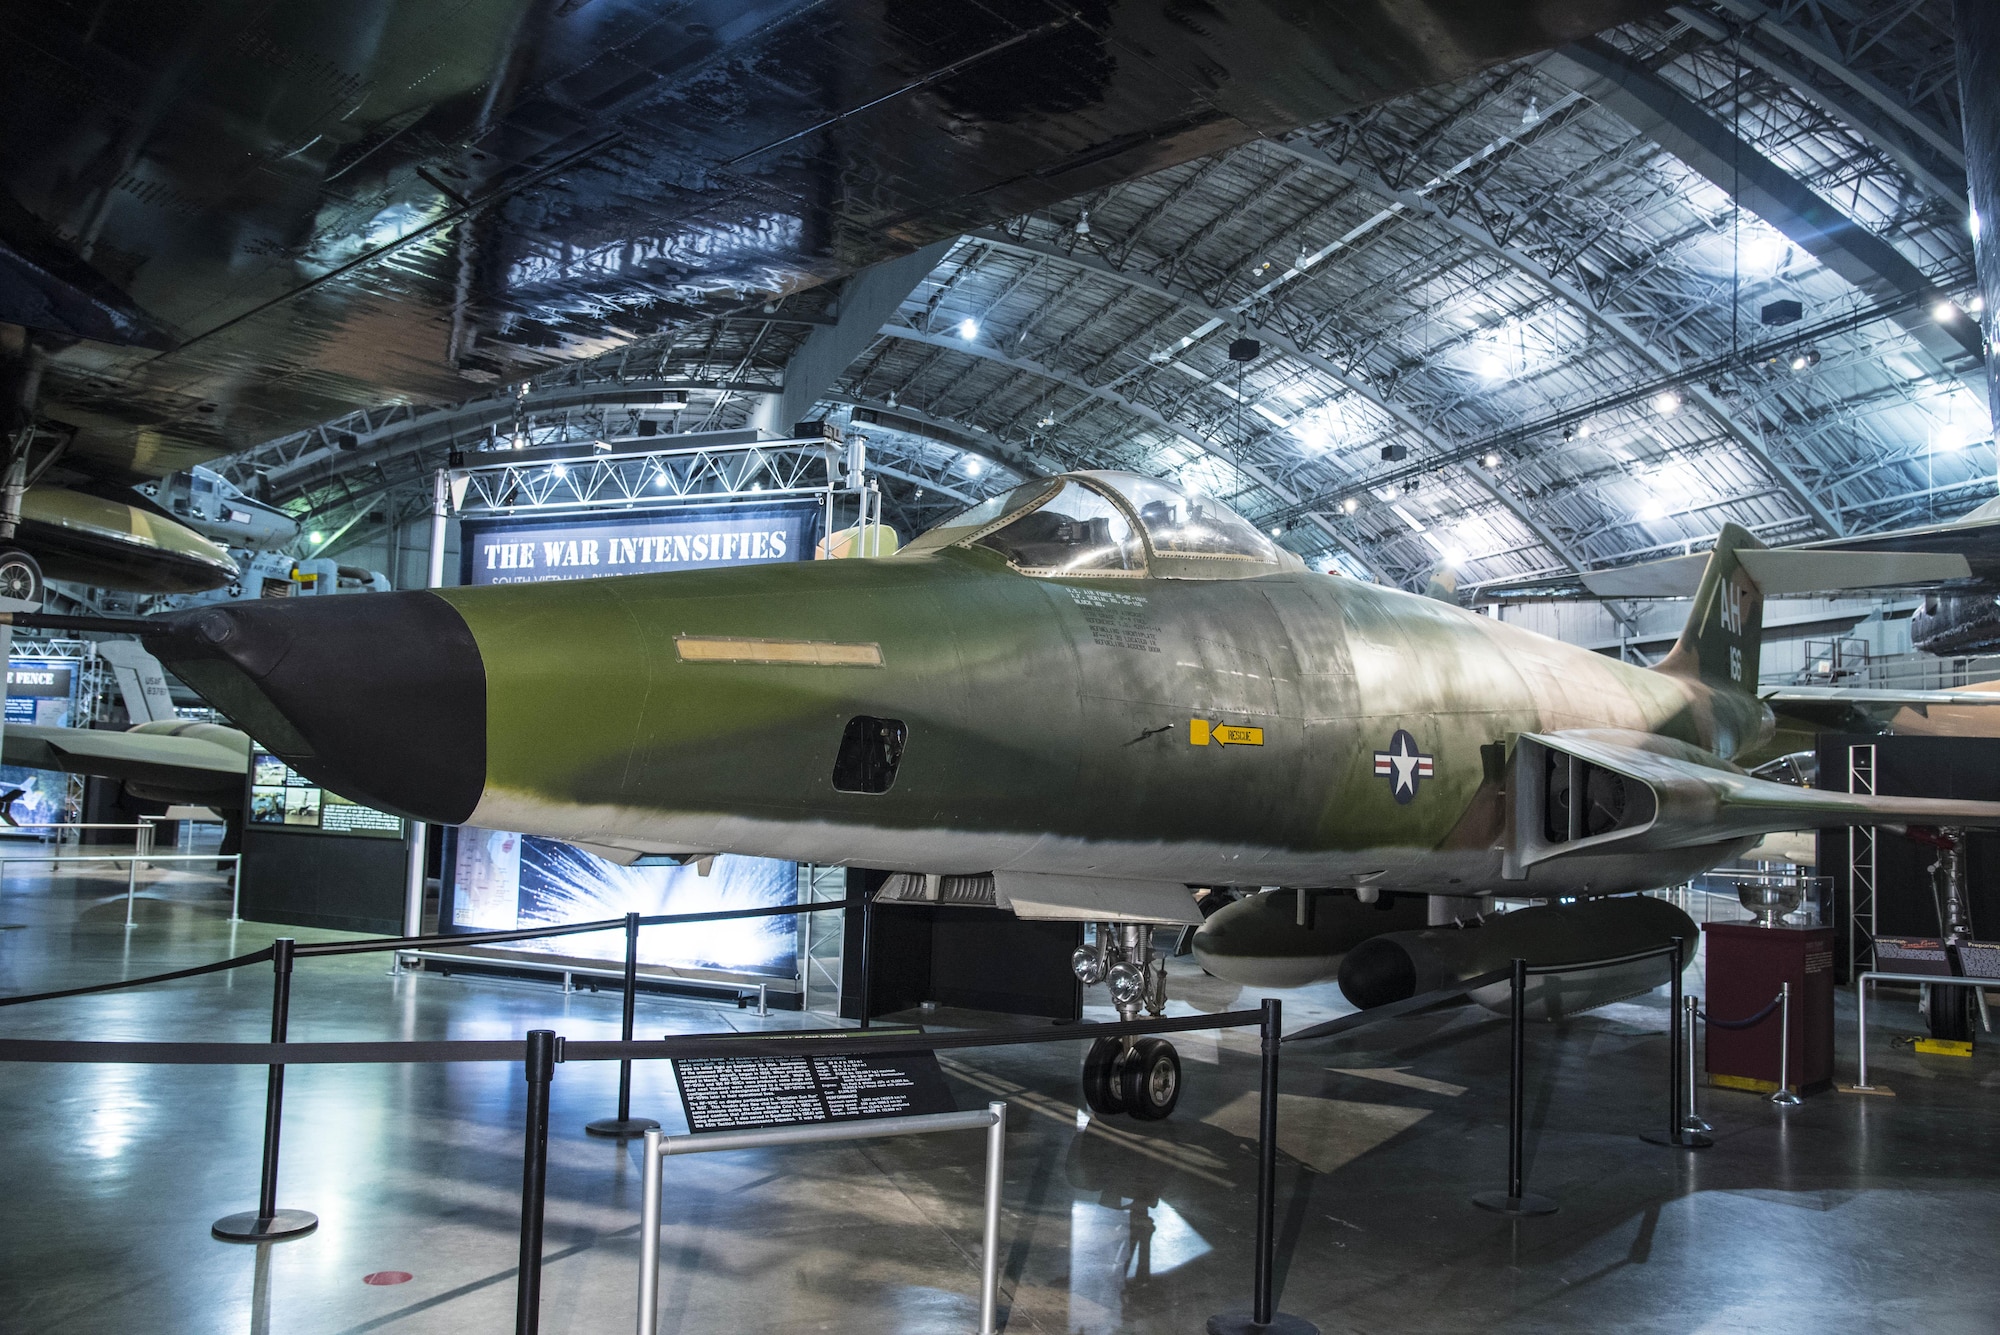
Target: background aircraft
1081,698
221,222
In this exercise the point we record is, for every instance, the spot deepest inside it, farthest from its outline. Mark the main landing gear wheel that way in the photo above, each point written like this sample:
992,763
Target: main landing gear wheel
1951,1013
20,576
1101,1092
1150,1079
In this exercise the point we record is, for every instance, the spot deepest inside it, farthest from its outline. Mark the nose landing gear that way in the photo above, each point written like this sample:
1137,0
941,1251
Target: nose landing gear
1139,1076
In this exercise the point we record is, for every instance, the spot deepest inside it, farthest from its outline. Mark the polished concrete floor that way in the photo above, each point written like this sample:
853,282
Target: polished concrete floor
1846,1214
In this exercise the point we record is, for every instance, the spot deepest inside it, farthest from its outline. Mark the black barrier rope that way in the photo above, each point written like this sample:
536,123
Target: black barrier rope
1750,1023
822,1042
424,942
254,957
572,929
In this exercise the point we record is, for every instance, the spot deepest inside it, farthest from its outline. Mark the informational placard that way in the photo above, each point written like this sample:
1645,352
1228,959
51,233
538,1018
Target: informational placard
527,549
280,796
498,881
747,1093
40,691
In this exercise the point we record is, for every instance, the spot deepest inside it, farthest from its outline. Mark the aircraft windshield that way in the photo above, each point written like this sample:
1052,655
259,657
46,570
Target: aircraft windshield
1187,523
1076,532
963,525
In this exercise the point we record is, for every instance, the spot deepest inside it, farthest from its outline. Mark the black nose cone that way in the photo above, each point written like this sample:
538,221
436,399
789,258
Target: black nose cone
380,697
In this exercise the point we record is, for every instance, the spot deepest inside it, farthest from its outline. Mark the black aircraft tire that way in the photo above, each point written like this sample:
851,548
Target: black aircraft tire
20,576
1101,1093
1151,1080
1951,1013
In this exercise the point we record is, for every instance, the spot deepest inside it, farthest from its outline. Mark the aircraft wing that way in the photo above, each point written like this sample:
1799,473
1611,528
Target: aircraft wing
1782,571
1967,713
1974,538
183,766
1966,548
1605,791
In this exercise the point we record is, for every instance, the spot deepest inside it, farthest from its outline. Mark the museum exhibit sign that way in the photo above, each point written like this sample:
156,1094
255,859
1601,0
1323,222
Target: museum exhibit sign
43,691
313,858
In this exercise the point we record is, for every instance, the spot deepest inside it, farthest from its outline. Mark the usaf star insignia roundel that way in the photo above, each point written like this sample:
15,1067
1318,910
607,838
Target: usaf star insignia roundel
1404,766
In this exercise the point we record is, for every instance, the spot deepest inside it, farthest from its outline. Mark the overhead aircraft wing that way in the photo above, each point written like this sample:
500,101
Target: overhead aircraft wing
160,763
1784,570
1974,537
1968,547
1605,791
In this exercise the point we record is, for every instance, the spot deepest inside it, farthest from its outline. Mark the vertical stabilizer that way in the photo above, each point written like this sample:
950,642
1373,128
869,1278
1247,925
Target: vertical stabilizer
1719,643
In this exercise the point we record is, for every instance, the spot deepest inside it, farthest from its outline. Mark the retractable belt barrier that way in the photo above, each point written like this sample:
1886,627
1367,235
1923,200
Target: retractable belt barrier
543,1050
268,1221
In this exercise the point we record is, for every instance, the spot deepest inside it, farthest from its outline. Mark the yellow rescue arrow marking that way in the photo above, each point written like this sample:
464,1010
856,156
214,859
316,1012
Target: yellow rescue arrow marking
1201,733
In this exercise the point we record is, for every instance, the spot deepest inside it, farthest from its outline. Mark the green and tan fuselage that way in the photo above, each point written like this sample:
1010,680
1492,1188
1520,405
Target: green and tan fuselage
1201,731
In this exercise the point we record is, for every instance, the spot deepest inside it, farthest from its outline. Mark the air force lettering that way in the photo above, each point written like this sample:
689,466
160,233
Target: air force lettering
1404,766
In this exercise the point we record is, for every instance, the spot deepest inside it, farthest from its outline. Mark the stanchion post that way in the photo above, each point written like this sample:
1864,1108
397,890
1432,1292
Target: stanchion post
867,935
651,1162
624,1126
236,889
1691,1008
989,1251
540,1070
1516,1200
1262,1318
1784,1098
1678,1135
267,1221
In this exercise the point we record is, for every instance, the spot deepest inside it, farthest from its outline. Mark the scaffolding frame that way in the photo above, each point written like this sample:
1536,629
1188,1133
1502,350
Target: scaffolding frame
1861,868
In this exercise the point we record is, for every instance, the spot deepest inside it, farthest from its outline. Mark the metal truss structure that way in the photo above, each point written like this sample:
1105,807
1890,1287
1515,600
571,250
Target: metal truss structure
669,477
1534,322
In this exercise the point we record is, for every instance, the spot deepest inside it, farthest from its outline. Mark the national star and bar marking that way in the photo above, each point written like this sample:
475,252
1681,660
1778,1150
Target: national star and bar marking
1404,766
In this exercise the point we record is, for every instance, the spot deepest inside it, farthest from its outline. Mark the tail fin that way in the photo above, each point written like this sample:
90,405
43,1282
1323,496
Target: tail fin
1720,641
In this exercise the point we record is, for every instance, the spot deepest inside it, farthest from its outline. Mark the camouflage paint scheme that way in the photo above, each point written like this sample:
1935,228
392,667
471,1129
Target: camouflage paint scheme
1052,721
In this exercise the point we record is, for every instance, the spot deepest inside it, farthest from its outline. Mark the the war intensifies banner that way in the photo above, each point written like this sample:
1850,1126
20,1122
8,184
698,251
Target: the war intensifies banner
520,550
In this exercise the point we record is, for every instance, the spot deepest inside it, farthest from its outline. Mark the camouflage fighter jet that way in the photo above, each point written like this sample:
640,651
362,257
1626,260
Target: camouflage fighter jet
1077,700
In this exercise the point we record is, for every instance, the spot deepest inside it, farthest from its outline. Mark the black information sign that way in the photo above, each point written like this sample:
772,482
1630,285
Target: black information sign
744,1093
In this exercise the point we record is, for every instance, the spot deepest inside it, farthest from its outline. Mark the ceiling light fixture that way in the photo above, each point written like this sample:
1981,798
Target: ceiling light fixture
1805,359
1666,403
1490,460
1945,312
1350,505
968,329
316,538
1583,430
973,468
1082,227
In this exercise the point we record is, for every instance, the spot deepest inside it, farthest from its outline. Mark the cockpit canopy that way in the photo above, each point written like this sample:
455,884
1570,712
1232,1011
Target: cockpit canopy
1112,525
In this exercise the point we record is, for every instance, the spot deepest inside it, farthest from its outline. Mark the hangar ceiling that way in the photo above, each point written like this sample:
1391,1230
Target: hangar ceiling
1521,324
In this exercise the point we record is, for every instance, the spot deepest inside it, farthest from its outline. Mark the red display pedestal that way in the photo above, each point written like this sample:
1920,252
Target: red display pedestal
1746,965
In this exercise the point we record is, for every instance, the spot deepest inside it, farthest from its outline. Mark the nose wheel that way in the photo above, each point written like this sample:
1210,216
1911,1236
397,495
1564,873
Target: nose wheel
20,576
1143,1079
